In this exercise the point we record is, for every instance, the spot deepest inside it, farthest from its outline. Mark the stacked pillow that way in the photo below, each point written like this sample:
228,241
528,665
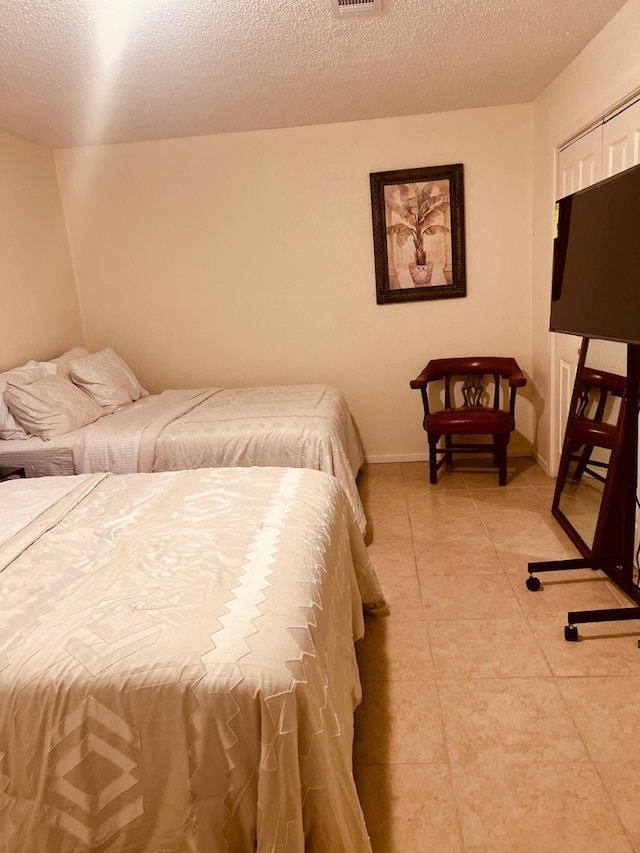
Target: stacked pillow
10,428
48,399
50,406
106,379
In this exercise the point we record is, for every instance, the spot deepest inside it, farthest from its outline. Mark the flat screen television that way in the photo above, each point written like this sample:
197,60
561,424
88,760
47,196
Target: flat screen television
595,289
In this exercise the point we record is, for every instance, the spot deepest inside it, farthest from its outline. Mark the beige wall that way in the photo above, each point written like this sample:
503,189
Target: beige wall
40,314
606,71
247,259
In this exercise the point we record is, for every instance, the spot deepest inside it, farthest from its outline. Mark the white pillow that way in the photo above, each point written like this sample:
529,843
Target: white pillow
9,427
63,362
107,379
50,406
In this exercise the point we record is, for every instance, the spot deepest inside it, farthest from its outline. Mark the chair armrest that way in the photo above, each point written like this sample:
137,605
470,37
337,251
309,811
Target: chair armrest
422,380
611,382
516,377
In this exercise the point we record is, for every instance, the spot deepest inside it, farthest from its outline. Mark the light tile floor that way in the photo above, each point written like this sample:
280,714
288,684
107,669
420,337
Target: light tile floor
481,729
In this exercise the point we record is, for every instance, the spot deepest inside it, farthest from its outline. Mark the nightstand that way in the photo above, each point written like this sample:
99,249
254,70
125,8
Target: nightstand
11,473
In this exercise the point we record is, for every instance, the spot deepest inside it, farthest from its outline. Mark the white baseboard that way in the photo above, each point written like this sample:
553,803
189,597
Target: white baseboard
543,464
519,447
397,457
424,457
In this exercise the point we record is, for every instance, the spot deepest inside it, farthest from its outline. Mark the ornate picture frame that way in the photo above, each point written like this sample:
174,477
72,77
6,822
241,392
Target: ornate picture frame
418,233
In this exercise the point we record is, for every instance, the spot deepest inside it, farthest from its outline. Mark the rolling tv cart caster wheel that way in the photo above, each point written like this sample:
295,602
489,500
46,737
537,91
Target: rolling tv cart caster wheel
533,583
571,633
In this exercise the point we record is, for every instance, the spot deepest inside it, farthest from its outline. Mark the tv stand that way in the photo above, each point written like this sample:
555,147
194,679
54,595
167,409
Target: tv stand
613,549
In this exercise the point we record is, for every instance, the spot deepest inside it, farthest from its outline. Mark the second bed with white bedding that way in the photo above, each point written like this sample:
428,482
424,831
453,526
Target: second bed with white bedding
302,426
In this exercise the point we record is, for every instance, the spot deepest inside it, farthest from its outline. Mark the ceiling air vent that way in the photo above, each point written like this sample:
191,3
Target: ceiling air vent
346,8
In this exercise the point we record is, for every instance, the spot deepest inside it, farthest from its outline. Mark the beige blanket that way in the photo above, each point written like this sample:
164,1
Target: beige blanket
177,667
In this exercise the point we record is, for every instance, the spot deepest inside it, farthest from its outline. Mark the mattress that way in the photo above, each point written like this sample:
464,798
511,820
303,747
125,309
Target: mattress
177,665
302,426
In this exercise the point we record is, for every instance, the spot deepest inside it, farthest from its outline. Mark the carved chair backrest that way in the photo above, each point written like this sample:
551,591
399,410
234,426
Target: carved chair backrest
599,395
472,390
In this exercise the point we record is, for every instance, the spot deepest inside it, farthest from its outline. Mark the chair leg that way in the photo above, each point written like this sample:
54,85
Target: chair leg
433,458
569,447
501,443
585,458
448,457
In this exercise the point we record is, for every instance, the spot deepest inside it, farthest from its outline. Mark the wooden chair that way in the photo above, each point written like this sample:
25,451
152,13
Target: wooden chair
593,423
587,427
476,415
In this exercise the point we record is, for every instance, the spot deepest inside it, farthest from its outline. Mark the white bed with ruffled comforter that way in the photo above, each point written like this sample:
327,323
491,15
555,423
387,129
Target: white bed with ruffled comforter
177,665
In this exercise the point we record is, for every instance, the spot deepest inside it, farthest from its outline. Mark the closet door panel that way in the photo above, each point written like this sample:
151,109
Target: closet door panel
621,141
580,164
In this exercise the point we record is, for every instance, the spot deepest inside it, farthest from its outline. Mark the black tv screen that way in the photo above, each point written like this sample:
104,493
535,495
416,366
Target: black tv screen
595,290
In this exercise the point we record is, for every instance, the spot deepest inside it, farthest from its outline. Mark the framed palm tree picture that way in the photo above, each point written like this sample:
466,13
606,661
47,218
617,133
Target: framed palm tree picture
418,233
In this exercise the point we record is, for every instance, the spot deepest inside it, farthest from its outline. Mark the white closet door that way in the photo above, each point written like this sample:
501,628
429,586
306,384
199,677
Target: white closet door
621,141
579,166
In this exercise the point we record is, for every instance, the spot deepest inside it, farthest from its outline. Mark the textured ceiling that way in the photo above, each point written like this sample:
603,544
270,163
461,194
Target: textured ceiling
75,72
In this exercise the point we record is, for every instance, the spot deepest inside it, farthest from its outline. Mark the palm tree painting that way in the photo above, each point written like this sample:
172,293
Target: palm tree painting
418,224
418,219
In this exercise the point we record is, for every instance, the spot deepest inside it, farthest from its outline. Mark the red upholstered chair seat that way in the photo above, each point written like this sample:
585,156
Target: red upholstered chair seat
469,422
